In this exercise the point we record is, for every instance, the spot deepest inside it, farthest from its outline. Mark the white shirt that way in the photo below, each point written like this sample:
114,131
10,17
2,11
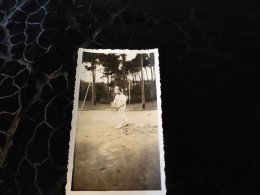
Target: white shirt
120,100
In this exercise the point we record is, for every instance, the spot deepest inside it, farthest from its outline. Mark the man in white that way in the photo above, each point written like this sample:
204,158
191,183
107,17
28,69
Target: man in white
120,101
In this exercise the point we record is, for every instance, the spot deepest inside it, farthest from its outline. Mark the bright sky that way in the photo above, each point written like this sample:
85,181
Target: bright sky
130,56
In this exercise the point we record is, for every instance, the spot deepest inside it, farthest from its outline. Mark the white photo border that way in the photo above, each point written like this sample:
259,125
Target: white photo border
79,71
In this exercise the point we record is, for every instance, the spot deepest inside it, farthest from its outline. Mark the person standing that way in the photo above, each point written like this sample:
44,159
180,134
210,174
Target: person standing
120,101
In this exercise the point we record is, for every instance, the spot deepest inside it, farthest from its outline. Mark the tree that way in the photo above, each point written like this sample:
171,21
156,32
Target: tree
136,66
150,63
138,60
92,59
124,70
110,62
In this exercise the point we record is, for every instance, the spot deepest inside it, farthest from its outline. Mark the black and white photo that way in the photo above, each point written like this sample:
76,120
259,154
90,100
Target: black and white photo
116,143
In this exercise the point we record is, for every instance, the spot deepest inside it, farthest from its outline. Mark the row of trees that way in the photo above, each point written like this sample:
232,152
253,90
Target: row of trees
104,97
127,74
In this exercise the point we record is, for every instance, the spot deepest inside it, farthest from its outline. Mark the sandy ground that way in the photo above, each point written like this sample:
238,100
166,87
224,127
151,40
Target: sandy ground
116,159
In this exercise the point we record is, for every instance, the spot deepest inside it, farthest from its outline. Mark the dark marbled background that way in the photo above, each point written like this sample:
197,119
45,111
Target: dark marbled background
209,60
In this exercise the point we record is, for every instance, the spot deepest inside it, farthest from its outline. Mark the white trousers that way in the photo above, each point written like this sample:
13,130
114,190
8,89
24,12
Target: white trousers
121,117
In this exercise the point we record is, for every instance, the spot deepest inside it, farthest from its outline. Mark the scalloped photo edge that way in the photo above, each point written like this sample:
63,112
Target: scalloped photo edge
74,123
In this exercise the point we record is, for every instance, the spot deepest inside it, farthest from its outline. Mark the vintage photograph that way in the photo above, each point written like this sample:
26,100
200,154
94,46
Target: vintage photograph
116,139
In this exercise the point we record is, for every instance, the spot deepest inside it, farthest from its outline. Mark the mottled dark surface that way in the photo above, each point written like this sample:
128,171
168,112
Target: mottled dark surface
209,60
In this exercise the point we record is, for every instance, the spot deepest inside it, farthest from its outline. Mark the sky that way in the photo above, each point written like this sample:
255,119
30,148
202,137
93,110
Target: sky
130,56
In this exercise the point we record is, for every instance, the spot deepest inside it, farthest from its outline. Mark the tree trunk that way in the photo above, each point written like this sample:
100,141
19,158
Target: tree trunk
154,82
93,86
117,79
151,84
107,83
142,81
123,69
133,79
